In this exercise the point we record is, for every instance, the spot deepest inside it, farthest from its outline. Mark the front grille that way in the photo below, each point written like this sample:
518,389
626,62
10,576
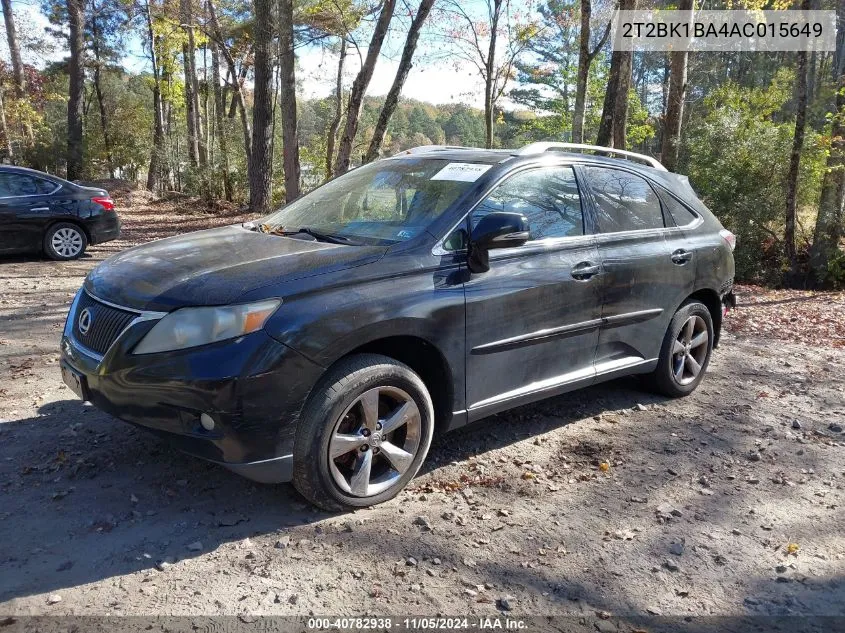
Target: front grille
105,323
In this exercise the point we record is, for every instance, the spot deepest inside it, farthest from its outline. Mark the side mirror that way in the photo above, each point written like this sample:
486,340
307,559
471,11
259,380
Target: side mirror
496,230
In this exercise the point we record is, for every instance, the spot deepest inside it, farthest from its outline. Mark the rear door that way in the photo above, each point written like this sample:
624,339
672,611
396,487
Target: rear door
640,282
25,210
532,320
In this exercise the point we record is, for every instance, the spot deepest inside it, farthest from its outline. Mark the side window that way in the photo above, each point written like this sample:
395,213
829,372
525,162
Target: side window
679,212
624,202
5,186
548,197
23,185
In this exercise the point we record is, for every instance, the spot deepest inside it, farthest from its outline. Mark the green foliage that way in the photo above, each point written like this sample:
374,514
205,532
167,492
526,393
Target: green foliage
737,158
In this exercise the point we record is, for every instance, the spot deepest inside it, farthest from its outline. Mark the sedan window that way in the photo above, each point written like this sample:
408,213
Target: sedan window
624,201
548,197
23,185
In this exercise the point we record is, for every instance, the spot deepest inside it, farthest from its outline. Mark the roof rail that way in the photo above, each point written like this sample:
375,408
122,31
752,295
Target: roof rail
422,149
540,148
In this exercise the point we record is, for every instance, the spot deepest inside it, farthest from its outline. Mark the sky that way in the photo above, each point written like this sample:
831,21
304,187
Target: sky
433,81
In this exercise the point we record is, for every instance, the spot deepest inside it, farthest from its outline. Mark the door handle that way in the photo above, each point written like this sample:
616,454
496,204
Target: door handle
585,270
681,257
40,209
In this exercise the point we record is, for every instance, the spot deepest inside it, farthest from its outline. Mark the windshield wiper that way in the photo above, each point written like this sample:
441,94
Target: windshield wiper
324,237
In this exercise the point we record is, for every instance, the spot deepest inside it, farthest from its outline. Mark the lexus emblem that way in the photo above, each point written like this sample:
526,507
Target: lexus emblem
85,321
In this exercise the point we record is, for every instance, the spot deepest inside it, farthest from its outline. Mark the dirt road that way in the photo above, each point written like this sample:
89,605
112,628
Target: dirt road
607,500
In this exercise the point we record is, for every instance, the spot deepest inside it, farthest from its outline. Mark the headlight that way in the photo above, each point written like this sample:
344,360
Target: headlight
189,327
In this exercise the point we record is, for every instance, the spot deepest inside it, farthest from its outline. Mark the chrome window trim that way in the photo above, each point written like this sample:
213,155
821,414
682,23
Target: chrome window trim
143,315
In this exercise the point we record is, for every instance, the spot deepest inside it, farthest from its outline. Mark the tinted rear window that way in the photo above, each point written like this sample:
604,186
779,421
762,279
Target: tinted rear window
624,201
24,185
679,212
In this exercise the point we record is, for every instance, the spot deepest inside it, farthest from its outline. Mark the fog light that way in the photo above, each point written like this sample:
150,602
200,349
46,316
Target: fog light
207,422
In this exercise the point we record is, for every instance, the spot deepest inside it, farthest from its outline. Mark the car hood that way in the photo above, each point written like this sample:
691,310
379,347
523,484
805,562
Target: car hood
215,267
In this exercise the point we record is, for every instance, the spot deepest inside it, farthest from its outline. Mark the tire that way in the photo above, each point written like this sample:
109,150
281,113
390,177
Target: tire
339,417
65,241
675,375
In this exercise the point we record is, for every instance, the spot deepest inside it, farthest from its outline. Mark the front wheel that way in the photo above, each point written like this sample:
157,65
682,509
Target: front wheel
685,352
363,434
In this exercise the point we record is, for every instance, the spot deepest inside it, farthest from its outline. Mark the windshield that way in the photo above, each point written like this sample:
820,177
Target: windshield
381,203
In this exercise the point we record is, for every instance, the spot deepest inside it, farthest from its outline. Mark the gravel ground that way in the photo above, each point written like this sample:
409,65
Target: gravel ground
604,501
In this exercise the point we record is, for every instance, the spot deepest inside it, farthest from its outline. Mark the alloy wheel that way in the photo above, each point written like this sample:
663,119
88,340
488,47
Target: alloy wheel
690,349
67,242
375,441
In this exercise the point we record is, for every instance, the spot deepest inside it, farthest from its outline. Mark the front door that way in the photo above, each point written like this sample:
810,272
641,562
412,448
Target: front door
532,320
25,209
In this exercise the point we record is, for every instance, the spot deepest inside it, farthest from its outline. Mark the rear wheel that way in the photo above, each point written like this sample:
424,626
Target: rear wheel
64,241
363,434
685,353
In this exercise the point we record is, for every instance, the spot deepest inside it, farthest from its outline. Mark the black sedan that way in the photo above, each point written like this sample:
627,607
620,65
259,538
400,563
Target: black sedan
43,213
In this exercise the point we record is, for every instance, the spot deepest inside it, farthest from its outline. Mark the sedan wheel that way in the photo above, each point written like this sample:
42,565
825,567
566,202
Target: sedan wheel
65,241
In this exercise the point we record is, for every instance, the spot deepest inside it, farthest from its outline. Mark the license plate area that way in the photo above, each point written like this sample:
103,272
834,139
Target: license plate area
75,380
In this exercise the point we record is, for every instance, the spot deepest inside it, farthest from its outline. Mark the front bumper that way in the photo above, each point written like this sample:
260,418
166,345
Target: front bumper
253,387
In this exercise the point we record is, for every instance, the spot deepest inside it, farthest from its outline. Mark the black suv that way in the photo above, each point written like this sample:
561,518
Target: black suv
43,213
325,343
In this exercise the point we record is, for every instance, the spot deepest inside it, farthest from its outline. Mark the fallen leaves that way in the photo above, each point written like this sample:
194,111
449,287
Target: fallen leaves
800,316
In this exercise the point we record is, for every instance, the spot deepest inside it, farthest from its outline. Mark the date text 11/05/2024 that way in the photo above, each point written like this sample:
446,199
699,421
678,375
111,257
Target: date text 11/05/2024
479,623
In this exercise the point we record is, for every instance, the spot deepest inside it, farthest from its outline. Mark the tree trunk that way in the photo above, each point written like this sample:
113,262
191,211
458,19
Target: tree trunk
583,73
795,155
4,130
615,108
605,134
338,111
675,102
585,61
157,154
359,87
287,101
405,64
829,227
241,78
14,48
98,89
490,75
620,108
237,87
261,163
76,92
220,132
189,65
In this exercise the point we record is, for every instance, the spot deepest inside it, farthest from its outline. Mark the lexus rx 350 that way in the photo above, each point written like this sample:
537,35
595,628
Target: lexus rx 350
327,342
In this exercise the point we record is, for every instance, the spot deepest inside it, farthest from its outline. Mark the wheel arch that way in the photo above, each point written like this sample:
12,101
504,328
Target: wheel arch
424,358
709,298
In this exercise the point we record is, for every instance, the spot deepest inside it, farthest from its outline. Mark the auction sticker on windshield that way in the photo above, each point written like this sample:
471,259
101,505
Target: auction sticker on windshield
461,172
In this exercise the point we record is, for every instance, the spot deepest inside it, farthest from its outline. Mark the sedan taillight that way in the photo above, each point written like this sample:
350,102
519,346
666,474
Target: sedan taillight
104,201
729,237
